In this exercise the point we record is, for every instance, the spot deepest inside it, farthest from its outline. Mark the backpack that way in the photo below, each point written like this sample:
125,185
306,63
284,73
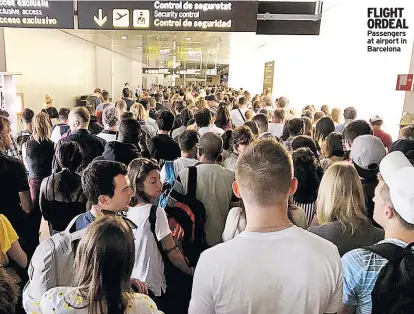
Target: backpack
168,184
187,220
51,266
393,292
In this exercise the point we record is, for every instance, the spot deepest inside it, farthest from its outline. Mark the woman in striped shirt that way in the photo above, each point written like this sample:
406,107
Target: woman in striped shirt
309,174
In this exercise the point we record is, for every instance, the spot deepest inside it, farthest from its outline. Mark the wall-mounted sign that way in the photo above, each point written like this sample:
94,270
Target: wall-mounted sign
211,72
190,72
269,72
405,82
37,13
157,71
219,16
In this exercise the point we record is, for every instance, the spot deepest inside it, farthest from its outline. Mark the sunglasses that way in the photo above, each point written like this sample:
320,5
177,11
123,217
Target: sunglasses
121,214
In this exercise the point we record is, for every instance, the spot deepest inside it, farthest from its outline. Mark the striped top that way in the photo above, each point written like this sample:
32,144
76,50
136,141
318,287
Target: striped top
360,270
309,209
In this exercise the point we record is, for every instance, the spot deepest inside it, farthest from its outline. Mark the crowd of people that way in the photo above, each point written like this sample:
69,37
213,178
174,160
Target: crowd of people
201,200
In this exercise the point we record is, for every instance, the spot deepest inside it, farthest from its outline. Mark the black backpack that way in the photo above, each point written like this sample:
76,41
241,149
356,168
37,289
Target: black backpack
394,288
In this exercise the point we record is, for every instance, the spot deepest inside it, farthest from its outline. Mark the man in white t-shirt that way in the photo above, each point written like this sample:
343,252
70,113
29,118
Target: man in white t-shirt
267,103
213,186
204,121
277,124
238,115
272,266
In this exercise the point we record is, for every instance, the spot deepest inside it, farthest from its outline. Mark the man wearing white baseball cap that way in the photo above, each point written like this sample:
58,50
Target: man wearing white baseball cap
367,151
394,211
376,123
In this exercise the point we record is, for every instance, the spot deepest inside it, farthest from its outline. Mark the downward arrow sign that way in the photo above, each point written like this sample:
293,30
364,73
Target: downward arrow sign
101,20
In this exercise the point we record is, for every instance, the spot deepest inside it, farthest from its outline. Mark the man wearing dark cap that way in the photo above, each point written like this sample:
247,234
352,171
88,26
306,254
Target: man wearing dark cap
126,148
367,151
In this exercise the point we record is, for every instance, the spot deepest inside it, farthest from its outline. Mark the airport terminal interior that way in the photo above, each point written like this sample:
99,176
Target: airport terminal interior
206,156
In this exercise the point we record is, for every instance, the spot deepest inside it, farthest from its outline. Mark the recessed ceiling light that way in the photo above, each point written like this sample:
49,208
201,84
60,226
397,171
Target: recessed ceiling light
124,37
139,47
188,38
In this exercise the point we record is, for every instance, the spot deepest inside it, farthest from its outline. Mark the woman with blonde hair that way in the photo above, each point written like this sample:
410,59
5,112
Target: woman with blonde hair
103,266
140,114
48,107
341,210
152,103
336,115
37,155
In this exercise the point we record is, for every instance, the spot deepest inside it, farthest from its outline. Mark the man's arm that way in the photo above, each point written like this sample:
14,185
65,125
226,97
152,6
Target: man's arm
55,166
22,186
26,201
346,309
175,256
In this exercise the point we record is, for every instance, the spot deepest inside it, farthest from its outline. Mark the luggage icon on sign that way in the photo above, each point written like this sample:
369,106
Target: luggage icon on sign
141,18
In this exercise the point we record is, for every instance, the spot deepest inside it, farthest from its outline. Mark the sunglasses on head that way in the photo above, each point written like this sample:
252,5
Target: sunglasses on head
122,215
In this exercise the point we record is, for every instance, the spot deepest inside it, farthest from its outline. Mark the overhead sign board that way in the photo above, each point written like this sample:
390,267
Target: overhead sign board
289,17
193,15
157,71
37,14
269,72
190,72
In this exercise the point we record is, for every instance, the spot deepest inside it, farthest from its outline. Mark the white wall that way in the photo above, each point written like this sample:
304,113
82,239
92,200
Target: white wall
333,68
65,66
104,68
153,79
50,61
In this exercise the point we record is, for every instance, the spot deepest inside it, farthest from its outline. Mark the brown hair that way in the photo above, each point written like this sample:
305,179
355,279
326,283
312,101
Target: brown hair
249,115
264,173
138,170
121,105
325,109
8,293
242,135
201,104
41,127
280,114
103,265
82,114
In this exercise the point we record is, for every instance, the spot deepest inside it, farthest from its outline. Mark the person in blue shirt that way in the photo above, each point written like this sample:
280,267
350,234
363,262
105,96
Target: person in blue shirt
394,211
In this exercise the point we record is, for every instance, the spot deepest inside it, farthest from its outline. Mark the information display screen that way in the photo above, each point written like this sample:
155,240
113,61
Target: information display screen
37,13
219,16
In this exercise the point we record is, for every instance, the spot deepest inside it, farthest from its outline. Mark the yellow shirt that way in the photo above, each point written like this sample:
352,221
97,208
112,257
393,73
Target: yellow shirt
7,234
